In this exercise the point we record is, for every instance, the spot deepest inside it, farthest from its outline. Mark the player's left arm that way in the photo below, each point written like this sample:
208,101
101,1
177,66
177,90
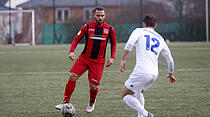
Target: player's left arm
113,47
171,77
167,55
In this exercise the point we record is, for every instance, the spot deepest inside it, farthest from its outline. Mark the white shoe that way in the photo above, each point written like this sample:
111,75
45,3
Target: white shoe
59,106
90,107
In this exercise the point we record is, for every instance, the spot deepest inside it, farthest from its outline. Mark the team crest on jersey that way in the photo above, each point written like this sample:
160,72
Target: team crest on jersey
106,31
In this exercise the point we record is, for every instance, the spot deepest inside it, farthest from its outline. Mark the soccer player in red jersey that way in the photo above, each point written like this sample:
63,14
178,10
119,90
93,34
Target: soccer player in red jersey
92,58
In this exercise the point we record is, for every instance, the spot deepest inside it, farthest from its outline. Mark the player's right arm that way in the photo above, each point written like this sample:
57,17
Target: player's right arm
128,47
76,40
123,62
72,56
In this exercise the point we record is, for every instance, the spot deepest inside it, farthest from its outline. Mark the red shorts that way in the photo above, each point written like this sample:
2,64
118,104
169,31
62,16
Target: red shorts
95,70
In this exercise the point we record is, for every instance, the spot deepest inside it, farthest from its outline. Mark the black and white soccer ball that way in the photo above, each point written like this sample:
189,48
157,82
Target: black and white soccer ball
68,110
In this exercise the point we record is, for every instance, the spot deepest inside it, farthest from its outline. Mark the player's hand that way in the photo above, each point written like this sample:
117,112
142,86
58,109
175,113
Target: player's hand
122,66
110,62
172,78
71,56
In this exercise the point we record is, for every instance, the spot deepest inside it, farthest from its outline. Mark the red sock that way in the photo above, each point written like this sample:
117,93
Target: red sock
70,86
93,94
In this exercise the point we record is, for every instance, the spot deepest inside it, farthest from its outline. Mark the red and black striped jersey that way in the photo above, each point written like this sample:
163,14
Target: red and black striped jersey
96,39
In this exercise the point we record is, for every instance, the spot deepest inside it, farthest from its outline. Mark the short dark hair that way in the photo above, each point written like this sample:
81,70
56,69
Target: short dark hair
99,8
150,20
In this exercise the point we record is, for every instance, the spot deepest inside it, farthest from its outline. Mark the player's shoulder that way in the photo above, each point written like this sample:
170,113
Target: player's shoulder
85,25
108,25
159,36
90,23
138,30
155,34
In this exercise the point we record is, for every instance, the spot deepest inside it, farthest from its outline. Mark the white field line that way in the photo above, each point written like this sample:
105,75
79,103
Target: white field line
32,73
29,52
116,71
192,69
207,48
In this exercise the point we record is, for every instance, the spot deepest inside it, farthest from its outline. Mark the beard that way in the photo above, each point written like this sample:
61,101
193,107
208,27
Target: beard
99,21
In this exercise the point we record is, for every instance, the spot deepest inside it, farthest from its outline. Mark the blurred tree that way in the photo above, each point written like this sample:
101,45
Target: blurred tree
195,17
192,13
130,13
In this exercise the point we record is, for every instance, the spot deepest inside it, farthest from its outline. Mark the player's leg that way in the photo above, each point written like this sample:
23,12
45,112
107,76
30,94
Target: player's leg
93,94
77,70
133,102
70,86
129,98
140,98
148,81
94,77
131,92
69,89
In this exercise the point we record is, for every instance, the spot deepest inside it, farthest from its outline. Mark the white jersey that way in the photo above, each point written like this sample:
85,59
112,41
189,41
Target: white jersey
149,44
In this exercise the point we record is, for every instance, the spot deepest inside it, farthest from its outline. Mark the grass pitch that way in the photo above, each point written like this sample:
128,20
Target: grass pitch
33,78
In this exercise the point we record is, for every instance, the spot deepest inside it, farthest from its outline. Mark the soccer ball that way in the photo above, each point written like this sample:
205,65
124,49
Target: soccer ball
68,110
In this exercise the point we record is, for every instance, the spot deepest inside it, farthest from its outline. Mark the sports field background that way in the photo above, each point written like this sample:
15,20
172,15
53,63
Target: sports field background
32,81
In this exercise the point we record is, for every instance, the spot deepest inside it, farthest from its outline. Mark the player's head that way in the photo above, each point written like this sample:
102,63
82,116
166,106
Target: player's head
99,14
149,21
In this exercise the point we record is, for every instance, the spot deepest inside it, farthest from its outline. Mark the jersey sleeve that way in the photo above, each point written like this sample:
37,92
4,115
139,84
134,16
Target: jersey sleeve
132,40
78,37
113,42
167,55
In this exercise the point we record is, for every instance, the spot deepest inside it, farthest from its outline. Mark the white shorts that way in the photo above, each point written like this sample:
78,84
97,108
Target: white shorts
137,83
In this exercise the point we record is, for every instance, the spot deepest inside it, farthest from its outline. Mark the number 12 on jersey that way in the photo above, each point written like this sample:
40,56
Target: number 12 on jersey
148,45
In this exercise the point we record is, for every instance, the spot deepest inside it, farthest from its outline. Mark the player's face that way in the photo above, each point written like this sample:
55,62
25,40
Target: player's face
99,16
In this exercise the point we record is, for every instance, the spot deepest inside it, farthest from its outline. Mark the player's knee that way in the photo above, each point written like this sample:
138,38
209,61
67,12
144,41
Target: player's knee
126,91
122,96
73,77
93,86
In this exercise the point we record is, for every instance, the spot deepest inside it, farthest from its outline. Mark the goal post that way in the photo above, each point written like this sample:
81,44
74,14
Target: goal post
17,21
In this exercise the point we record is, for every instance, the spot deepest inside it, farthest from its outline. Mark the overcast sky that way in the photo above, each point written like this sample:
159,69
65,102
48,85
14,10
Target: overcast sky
14,3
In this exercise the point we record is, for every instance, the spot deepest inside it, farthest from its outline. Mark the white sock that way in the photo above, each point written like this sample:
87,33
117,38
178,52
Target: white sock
140,97
135,104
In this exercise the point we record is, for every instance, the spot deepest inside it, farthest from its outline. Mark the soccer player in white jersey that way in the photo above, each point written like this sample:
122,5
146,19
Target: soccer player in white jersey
149,44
